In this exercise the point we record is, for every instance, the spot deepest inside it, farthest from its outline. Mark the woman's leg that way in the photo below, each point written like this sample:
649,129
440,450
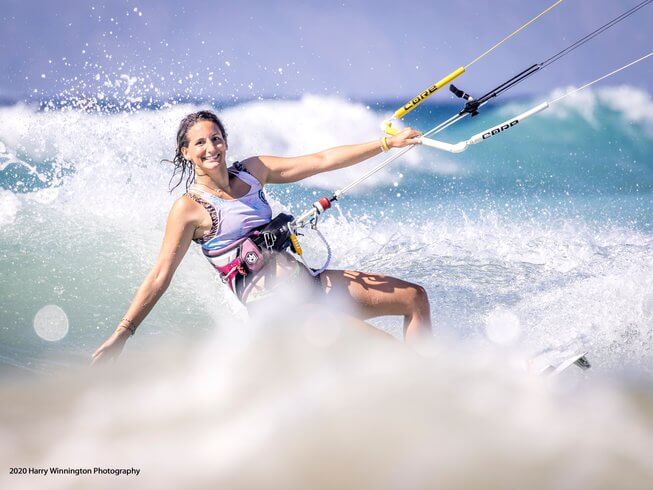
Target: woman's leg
299,296
371,295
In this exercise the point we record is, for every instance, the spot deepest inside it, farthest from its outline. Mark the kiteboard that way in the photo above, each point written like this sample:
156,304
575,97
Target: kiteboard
552,364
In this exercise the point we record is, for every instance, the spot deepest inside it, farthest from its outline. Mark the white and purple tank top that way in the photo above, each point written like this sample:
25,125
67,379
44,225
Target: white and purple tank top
233,219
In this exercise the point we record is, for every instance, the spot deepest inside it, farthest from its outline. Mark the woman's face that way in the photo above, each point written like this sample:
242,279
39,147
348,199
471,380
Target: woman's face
206,147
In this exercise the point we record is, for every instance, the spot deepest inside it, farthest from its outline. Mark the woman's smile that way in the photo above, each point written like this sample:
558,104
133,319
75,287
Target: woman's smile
206,144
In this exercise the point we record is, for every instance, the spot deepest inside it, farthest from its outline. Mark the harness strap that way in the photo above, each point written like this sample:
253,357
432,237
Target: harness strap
249,257
251,252
231,271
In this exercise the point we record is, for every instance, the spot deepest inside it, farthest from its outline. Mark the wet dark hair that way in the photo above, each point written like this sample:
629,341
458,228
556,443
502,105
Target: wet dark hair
183,167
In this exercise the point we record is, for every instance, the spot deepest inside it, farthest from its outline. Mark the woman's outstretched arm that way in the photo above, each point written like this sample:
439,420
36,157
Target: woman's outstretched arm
180,228
281,170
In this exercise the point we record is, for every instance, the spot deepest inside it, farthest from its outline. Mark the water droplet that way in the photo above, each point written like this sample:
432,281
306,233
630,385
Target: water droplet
51,323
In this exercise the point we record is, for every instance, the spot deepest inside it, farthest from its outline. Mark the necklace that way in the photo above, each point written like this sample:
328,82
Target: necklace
217,192
207,186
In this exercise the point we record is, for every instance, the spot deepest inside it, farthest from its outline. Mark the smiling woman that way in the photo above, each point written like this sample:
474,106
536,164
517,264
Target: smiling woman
226,212
183,166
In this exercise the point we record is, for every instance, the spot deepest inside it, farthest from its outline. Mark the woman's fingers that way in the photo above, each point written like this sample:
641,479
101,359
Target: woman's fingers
103,352
97,358
408,136
103,356
412,133
413,137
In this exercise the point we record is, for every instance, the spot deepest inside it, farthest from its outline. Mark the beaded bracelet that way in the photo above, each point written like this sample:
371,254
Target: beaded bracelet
129,325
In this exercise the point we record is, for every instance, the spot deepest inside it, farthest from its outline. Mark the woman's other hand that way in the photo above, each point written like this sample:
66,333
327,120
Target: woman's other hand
405,137
112,347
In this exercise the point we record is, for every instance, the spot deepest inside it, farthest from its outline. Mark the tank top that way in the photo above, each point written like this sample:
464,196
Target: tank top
232,219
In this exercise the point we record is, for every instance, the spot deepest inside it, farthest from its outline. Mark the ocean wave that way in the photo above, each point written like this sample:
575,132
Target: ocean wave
634,105
308,125
573,285
76,147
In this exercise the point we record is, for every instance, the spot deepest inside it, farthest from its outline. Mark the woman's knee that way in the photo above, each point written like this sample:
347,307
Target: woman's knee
417,297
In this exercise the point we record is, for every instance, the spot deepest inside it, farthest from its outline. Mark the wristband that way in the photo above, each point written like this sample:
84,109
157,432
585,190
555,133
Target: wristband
384,144
128,324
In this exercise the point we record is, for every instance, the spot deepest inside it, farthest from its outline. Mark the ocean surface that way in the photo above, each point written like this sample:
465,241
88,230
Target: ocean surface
536,242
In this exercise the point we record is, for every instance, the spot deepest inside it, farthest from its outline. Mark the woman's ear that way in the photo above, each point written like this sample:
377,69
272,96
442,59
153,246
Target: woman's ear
184,152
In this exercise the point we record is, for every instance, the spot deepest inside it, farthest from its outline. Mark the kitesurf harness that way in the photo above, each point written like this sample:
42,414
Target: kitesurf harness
243,235
245,257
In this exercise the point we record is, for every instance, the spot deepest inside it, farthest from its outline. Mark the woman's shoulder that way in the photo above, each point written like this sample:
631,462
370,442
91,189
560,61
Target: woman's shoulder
187,208
254,166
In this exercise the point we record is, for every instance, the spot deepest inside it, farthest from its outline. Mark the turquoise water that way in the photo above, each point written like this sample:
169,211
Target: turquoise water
552,221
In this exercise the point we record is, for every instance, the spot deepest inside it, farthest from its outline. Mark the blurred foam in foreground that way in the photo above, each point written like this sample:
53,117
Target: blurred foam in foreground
291,406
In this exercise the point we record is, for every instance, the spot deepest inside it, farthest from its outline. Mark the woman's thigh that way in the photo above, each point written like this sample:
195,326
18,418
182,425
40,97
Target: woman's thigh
306,301
367,295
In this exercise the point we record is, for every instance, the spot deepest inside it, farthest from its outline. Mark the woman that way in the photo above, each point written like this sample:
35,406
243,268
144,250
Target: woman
226,206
